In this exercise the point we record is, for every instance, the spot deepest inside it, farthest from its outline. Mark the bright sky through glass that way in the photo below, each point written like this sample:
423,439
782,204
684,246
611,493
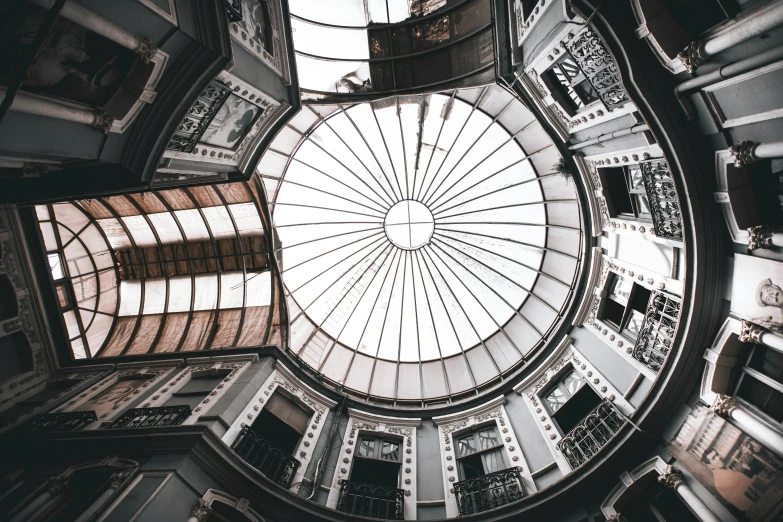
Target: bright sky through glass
419,211
409,225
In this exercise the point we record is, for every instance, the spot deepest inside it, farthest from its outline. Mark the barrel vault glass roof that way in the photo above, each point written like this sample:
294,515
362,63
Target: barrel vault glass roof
427,247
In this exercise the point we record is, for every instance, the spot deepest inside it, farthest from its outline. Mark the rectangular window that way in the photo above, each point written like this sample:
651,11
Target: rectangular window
56,266
625,306
569,87
569,401
625,193
378,462
196,389
480,453
761,380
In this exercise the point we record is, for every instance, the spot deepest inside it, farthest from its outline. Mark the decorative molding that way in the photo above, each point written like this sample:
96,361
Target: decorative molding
723,405
671,477
198,117
242,28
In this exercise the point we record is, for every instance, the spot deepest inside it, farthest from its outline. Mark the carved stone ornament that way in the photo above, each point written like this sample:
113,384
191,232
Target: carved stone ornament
56,485
671,477
199,116
751,333
617,517
117,479
693,56
743,153
723,405
760,236
146,50
102,120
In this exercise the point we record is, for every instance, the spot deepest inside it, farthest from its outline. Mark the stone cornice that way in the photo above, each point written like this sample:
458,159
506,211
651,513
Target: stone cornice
176,363
544,367
321,399
382,419
478,410
248,357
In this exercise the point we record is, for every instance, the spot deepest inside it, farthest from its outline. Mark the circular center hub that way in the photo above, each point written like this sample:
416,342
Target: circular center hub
409,224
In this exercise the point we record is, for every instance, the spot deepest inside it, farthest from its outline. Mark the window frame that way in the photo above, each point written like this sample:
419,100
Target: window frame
747,372
560,384
379,440
565,92
622,328
473,432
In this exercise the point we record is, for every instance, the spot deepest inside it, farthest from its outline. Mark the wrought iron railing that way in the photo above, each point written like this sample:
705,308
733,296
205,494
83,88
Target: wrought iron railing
269,460
150,417
599,68
657,331
61,421
488,492
367,500
664,205
591,434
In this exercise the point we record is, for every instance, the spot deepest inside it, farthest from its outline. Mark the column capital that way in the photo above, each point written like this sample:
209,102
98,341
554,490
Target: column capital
743,153
760,236
146,50
200,510
723,405
103,120
617,517
751,333
56,485
671,477
693,55
116,479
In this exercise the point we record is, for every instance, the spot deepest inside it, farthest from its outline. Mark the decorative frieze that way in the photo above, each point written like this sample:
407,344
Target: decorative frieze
199,116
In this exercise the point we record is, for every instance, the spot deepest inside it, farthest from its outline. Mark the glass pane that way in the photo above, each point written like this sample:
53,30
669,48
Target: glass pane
572,382
390,451
642,204
767,361
466,445
56,266
555,399
366,448
620,289
488,438
634,324
765,398
493,461
635,178
62,295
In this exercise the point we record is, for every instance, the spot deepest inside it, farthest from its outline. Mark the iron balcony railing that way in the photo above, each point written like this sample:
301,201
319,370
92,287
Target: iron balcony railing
488,492
656,334
61,421
664,204
269,460
591,434
151,417
367,500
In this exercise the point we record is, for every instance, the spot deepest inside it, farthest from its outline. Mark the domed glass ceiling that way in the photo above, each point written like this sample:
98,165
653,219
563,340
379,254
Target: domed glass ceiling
423,251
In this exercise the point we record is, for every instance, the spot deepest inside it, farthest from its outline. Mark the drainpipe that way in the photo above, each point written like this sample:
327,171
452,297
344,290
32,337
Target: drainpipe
698,52
727,71
607,137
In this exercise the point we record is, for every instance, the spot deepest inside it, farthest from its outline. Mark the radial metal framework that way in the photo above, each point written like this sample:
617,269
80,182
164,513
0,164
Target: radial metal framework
424,253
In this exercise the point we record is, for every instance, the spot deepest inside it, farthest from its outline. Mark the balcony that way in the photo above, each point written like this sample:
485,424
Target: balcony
151,417
61,421
488,492
591,434
664,205
367,500
267,459
656,334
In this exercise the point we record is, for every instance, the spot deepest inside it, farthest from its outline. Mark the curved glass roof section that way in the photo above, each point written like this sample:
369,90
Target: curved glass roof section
171,270
427,248
357,47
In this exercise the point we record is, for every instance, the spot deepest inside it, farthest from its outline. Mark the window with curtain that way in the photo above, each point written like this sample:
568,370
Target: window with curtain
569,401
480,453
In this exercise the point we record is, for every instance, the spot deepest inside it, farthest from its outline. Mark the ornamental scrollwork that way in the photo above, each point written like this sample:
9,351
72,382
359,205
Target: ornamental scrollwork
447,430
664,204
599,68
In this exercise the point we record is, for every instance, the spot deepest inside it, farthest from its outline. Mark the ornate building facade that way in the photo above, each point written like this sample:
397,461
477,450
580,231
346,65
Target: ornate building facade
283,260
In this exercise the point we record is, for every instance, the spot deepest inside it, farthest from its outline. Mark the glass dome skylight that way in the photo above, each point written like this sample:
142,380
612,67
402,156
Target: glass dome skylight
423,253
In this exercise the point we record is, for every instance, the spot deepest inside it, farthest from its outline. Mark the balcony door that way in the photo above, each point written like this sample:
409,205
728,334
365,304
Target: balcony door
480,453
378,462
282,423
570,400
